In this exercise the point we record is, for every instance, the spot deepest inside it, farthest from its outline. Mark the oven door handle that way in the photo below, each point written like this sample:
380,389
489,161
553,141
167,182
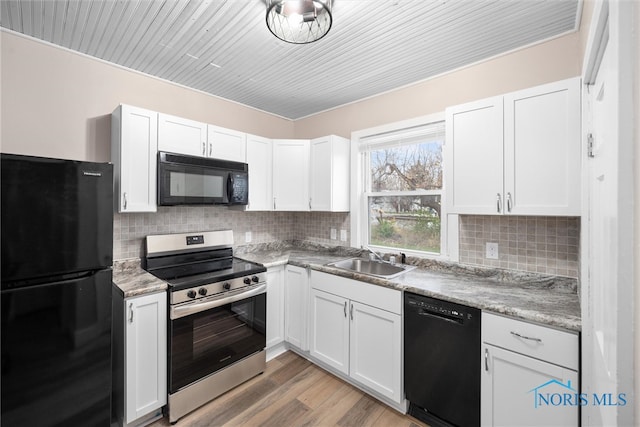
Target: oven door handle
179,311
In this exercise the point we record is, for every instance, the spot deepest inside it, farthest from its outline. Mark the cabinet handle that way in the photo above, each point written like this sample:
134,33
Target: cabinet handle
499,203
124,196
204,149
274,203
345,309
130,312
509,202
351,311
486,359
309,203
524,337
210,149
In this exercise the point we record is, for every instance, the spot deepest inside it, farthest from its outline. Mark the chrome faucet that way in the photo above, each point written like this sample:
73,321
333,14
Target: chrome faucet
375,254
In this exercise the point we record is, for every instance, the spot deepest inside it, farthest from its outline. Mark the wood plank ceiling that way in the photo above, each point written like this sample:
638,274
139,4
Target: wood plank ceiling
224,48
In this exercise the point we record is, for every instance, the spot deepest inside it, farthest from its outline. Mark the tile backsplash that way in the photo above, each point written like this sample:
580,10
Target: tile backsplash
547,245
130,229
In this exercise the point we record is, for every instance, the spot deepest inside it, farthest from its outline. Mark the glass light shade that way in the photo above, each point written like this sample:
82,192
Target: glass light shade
299,21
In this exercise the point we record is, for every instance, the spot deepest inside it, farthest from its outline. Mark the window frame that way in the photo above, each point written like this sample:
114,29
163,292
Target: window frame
360,184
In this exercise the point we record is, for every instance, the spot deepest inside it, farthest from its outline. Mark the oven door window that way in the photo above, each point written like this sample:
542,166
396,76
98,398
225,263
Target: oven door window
180,184
205,342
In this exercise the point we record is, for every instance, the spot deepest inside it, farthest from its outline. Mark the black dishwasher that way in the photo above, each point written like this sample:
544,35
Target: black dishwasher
442,361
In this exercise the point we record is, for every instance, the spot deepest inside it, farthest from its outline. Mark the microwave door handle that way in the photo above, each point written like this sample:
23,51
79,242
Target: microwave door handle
229,188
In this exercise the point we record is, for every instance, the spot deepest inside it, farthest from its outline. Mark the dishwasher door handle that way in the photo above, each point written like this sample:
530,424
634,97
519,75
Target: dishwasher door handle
439,317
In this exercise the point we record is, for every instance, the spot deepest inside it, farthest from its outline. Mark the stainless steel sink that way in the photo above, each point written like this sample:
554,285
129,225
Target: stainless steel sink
372,268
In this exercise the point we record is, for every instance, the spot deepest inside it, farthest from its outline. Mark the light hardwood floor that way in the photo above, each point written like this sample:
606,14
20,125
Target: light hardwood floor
293,392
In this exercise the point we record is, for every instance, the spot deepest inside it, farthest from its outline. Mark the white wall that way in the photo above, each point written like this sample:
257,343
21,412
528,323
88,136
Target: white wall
57,103
554,60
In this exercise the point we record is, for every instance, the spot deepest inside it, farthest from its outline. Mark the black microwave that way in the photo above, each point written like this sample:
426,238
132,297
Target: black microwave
190,180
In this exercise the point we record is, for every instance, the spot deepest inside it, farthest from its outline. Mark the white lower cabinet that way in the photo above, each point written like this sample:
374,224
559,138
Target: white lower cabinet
375,353
275,306
529,374
140,358
330,330
296,297
356,329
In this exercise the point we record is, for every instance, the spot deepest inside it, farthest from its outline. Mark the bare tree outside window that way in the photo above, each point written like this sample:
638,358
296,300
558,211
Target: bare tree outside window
410,221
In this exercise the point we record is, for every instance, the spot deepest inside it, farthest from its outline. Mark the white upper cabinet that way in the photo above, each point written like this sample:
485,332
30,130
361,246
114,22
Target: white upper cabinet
183,136
329,174
259,159
290,174
474,151
542,150
516,154
226,144
134,146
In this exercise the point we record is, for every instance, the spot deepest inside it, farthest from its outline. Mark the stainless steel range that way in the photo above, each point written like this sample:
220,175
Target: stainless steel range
217,315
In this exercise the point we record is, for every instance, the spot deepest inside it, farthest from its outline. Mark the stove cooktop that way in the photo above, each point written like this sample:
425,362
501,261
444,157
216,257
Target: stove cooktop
238,268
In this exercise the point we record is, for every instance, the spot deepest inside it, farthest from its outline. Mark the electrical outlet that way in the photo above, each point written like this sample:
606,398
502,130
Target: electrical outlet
492,251
343,235
247,237
334,234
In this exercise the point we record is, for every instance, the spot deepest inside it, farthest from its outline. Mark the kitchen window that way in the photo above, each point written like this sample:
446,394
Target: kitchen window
401,181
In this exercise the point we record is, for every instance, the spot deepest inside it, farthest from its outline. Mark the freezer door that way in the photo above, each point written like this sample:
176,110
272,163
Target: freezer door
56,353
57,216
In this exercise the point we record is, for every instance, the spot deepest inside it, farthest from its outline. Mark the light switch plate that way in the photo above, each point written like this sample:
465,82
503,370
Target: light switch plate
247,237
334,234
343,235
492,251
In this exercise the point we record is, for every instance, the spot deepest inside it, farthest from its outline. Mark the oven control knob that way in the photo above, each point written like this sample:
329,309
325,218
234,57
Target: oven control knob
202,291
247,281
191,294
226,286
255,279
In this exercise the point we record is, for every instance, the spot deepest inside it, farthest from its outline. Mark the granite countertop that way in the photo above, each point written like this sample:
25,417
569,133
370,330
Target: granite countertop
132,280
548,300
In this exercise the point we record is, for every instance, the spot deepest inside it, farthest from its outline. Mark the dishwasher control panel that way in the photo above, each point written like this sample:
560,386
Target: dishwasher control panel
428,305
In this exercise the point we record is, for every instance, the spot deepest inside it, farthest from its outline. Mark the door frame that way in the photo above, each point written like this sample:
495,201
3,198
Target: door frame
615,20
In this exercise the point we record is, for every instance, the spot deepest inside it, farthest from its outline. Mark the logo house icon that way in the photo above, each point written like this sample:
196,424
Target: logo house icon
554,399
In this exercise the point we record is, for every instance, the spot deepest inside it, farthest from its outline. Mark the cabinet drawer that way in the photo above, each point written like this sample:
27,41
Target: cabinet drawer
366,293
551,345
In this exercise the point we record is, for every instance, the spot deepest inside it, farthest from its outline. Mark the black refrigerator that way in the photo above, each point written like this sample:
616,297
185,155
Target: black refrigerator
57,251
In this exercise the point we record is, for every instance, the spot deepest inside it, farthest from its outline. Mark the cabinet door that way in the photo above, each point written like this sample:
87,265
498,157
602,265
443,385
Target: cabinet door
146,354
329,174
375,354
542,149
474,157
275,306
329,330
515,389
226,144
296,306
183,136
259,159
134,146
291,174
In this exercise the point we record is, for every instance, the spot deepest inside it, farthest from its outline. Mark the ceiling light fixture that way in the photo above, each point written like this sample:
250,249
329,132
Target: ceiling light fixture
299,21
